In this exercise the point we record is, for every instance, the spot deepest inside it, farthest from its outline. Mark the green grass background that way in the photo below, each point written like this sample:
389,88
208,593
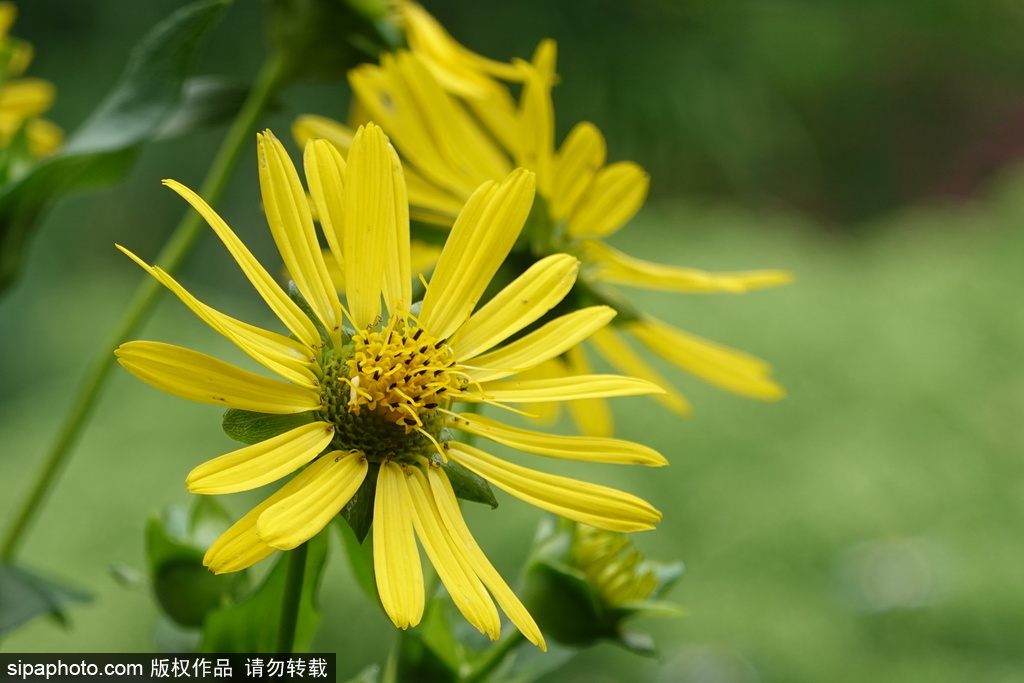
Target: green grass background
868,527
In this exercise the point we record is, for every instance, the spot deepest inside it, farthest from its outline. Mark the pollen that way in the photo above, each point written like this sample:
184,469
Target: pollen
401,373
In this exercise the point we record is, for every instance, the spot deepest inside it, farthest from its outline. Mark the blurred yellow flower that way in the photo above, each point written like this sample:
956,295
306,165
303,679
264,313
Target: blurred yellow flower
378,384
22,100
456,126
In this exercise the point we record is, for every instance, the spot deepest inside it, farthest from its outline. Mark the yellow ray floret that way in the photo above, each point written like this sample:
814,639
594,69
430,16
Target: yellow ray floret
599,506
261,463
396,560
584,448
197,377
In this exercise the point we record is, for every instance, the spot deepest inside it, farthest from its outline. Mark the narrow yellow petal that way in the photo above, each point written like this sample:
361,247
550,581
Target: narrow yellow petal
44,137
553,339
579,159
565,389
599,506
466,590
259,464
537,119
240,547
291,224
615,267
325,172
396,560
545,412
278,353
478,244
616,194
369,217
397,268
726,368
451,515
285,309
26,97
330,483
521,302
309,127
427,35
198,377
592,416
583,448
618,353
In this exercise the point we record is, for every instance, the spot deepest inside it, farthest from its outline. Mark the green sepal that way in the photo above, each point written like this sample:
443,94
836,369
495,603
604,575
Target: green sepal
469,485
360,559
185,590
250,428
564,604
104,148
252,624
300,301
358,511
26,594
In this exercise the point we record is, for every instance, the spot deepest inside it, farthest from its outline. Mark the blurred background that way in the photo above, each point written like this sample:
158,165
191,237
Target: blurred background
868,527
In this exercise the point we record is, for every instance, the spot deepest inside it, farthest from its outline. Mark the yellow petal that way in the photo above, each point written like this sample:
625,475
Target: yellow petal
478,244
261,463
592,416
599,506
325,172
278,353
565,389
538,129
396,560
553,339
579,159
451,515
521,302
726,368
618,268
291,224
427,35
584,448
397,268
309,127
240,547
26,97
44,137
617,352
198,377
617,193
285,309
452,567
369,217
330,483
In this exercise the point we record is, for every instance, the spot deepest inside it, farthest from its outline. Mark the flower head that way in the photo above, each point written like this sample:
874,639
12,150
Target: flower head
374,383
456,125
22,100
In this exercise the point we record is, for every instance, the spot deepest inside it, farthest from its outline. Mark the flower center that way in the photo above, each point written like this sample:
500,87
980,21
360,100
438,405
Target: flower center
383,391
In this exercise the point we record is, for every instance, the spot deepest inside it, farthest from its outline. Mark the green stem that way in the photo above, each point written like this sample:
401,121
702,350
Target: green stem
493,658
179,245
290,602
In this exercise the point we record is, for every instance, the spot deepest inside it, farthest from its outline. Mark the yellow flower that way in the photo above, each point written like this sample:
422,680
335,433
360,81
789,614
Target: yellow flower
457,126
22,100
379,385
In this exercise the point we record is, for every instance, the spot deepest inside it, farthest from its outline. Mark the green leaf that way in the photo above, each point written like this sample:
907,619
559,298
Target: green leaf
358,512
205,101
252,625
103,149
185,590
360,559
468,485
370,674
25,595
250,428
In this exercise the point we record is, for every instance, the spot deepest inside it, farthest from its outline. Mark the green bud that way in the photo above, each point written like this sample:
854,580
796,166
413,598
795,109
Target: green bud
583,584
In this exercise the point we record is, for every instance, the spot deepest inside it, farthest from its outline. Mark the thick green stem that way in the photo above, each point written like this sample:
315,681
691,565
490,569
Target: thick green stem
179,245
493,658
291,599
